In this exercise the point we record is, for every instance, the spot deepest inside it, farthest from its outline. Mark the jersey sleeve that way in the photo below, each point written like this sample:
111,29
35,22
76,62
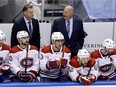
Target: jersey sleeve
13,62
5,53
73,74
94,70
74,67
6,61
43,61
114,60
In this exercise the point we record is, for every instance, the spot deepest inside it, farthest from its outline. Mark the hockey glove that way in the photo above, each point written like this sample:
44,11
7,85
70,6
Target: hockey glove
5,69
52,64
63,62
31,77
23,76
83,79
101,77
91,77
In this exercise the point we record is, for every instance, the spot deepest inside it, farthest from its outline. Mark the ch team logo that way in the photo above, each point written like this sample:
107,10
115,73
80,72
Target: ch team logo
105,68
26,62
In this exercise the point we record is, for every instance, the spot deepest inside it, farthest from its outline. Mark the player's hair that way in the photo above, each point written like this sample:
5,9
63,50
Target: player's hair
26,7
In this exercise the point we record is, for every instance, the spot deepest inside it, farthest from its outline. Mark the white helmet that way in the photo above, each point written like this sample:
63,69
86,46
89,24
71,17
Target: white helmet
109,43
83,53
2,35
21,34
57,36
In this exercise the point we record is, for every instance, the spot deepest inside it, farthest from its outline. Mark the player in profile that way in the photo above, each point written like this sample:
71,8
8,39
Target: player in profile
106,59
24,62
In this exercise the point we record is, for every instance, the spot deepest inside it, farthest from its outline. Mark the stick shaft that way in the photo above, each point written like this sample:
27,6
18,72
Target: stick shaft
26,58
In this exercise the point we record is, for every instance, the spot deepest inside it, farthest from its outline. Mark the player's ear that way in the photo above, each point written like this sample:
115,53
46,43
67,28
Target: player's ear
18,40
24,12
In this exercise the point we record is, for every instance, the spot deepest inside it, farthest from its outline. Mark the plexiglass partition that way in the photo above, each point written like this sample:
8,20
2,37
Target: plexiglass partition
48,10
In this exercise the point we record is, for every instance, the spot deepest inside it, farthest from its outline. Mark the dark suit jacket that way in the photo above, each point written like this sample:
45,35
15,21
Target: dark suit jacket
21,25
77,39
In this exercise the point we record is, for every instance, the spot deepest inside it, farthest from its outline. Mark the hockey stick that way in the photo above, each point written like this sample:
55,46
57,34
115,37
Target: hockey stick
60,59
63,51
27,49
89,71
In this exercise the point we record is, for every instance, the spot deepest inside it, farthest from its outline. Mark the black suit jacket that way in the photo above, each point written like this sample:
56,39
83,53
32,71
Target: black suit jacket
77,38
21,25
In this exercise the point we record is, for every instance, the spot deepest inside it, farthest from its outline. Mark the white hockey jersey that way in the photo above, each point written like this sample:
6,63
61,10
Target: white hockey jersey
106,65
47,54
4,54
75,68
18,59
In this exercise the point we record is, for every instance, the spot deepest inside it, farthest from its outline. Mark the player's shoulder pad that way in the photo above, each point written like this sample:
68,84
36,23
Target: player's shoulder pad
114,52
46,49
95,54
5,47
74,62
65,49
32,47
15,49
91,62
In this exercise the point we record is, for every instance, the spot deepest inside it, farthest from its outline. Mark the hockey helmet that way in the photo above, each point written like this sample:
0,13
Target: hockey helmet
83,53
109,43
57,36
21,34
2,35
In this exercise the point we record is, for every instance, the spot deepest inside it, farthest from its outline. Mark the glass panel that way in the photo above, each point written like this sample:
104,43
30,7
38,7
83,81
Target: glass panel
101,9
87,10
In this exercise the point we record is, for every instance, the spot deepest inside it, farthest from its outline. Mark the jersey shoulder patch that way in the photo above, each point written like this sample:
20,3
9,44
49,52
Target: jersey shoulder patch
74,62
15,49
91,62
65,49
5,47
95,54
32,47
114,52
46,49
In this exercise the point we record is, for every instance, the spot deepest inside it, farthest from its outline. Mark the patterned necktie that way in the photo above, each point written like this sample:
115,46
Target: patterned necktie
68,27
30,29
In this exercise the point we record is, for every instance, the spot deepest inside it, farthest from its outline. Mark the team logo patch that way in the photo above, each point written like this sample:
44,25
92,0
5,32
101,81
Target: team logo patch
26,62
111,59
70,69
41,57
10,58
